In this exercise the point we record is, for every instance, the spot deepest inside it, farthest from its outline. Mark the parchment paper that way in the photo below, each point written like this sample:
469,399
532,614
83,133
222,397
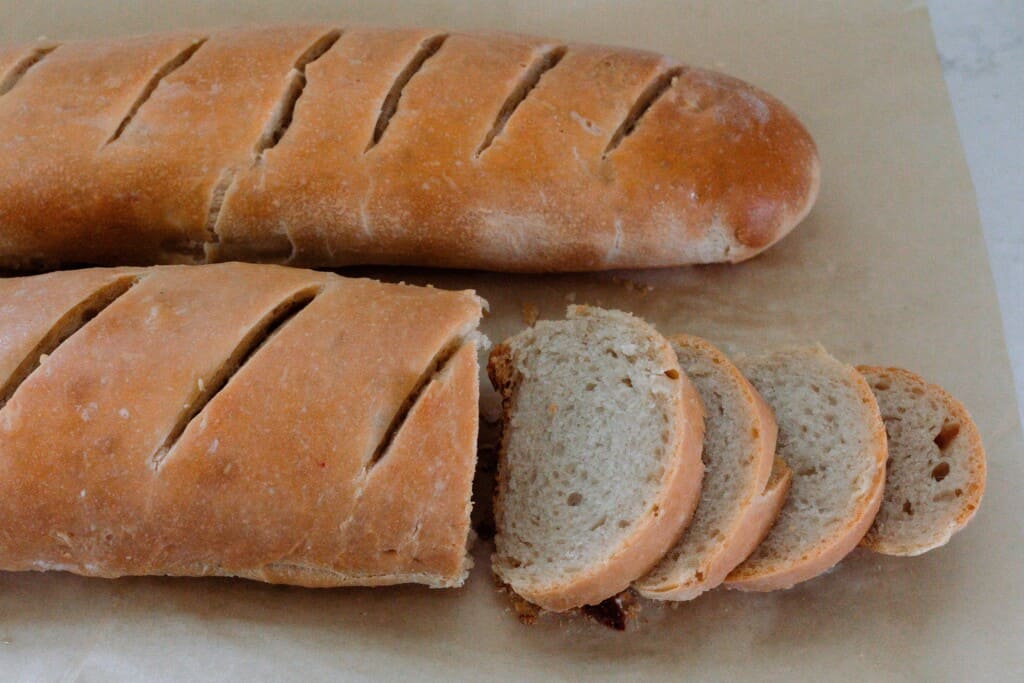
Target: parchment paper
889,269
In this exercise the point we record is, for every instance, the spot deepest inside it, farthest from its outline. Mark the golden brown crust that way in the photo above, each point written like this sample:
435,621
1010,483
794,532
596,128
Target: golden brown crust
668,515
36,312
611,158
970,500
52,174
283,473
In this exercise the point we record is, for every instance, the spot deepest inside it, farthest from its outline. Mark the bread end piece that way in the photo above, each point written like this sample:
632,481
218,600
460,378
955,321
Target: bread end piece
936,469
768,171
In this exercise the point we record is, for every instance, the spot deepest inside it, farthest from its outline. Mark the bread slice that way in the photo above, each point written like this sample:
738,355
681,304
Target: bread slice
735,509
600,468
831,435
935,476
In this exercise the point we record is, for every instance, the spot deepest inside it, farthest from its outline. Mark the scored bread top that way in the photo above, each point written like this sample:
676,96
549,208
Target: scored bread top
739,449
38,313
17,58
935,476
329,146
599,468
832,438
235,419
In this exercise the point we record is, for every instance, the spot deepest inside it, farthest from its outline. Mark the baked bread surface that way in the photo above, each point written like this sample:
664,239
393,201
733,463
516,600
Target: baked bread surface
258,421
330,146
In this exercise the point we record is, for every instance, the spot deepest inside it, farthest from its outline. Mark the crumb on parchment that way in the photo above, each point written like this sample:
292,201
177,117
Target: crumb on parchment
632,285
530,313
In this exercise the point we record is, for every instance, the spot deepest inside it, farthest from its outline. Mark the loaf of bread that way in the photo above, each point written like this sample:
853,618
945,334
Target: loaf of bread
271,423
324,146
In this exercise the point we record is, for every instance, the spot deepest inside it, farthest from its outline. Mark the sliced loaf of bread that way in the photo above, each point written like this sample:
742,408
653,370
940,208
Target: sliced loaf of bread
737,506
832,437
600,467
936,471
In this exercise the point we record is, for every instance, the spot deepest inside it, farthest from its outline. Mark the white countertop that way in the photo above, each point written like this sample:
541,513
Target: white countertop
981,45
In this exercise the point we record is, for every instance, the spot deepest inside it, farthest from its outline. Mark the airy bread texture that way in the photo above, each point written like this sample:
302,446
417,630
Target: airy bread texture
273,423
737,505
332,146
832,438
935,476
600,464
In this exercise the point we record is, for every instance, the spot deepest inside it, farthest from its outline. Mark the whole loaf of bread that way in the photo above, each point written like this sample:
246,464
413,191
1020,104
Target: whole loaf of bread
243,420
323,146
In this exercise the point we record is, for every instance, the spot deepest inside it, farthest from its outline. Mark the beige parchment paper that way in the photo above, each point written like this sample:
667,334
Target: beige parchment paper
890,268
